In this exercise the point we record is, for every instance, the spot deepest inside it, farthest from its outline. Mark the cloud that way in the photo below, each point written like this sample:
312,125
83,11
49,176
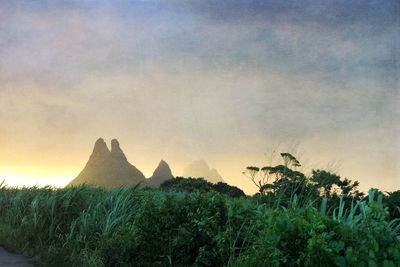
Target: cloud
220,80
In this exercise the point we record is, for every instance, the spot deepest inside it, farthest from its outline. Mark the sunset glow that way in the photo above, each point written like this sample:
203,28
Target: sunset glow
183,81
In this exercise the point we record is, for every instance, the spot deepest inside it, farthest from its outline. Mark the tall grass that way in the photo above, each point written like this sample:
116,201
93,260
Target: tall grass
89,226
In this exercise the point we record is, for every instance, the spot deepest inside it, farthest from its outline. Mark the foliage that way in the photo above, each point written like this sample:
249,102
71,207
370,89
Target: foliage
88,226
200,185
326,181
229,190
280,185
301,237
392,200
187,184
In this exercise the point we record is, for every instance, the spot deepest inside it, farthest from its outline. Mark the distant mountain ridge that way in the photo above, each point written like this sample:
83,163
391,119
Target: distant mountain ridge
112,169
200,169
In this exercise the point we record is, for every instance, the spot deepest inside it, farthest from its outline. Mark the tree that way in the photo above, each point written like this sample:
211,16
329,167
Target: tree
200,185
251,172
392,200
325,181
290,160
350,188
270,178
186,184
227,189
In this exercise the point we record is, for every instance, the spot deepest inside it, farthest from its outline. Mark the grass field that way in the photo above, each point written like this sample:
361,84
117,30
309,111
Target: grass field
88,226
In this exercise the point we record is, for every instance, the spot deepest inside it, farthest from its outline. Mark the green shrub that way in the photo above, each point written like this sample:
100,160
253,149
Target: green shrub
88,226
200,185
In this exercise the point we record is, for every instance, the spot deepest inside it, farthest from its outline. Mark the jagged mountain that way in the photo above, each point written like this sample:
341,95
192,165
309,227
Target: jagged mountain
161,173
200,168
108,168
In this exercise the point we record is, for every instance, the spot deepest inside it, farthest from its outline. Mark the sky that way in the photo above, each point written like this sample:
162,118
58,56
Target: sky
225,81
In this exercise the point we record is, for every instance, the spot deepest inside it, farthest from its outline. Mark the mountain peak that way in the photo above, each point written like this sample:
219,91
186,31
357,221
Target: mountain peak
161,173
100,152
100,141
100,146
163,163
108,168
114,144
116,151
200,168
162,170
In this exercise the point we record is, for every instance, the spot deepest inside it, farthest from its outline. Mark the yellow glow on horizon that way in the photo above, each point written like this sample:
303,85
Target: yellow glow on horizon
26,180
29,176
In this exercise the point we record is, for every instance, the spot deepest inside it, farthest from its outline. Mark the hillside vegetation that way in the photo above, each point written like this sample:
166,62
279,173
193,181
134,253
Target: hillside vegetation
87,226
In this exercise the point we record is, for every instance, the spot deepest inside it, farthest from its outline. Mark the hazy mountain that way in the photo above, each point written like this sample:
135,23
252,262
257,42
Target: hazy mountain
108,168
200,168
161,173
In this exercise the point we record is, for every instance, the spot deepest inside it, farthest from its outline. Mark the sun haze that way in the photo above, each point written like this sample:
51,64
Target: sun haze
223,81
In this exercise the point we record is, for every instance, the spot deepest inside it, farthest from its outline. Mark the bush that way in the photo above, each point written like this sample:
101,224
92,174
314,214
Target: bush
393,203
200,185
187,185
87,226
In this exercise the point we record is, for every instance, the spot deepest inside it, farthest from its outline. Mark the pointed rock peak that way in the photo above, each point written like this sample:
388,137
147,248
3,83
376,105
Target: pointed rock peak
108,168
100,147
100,141
162,171
163,164
114,144
100,153
116,151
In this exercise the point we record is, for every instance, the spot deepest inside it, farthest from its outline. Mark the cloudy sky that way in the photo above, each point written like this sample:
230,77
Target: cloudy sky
227,81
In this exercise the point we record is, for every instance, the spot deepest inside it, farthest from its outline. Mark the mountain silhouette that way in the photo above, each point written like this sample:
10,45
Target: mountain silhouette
200,169
108,168
161,173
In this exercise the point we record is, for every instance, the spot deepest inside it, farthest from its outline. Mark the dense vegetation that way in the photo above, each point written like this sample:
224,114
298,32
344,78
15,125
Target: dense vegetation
294,220
200,185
